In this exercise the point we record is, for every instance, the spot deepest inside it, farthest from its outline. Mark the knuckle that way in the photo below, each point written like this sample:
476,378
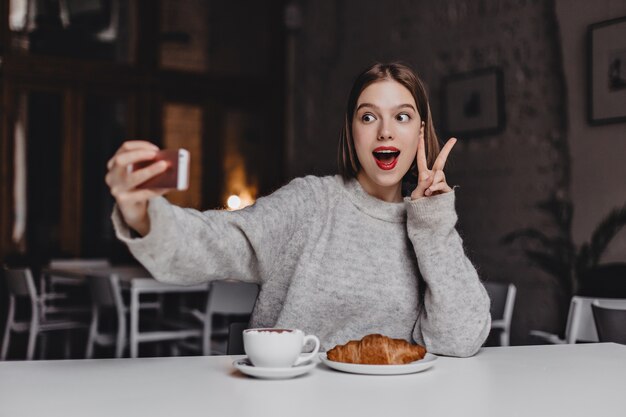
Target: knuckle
123,197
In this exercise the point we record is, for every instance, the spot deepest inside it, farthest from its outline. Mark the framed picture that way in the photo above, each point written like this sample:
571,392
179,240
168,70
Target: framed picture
473,103
606,71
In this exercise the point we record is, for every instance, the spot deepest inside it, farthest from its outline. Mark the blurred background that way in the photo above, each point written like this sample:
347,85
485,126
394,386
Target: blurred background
256,90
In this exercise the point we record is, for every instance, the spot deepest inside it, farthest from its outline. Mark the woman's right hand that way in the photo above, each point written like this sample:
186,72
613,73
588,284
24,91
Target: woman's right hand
133,203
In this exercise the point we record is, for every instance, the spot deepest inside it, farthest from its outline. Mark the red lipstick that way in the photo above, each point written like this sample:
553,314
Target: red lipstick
386,157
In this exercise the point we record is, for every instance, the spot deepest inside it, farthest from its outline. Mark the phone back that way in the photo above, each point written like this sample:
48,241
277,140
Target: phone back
167,179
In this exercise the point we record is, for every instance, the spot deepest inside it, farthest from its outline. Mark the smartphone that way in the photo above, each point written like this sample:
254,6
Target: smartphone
175,177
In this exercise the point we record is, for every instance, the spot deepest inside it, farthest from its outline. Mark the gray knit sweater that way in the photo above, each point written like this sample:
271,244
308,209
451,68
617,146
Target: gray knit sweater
331,260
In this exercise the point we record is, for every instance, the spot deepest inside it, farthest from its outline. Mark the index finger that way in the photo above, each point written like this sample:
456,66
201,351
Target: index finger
131,145
440,162
122,160
422,165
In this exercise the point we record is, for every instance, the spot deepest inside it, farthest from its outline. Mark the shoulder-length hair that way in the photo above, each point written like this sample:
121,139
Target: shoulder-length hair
349,164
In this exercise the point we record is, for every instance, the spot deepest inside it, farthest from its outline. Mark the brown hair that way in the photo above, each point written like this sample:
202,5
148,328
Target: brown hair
349,164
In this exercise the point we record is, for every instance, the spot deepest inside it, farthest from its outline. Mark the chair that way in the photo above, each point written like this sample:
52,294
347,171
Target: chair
21,284
502,297
106,294
54,288
225,298
610,320
580,326
235,339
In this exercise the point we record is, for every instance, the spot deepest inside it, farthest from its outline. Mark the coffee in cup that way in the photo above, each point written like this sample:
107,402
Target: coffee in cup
277,348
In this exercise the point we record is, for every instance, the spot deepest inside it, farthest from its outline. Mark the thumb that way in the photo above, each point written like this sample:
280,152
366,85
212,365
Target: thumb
424,180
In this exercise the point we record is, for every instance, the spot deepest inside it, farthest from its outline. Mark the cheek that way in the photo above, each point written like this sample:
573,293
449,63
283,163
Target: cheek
411,140
359,135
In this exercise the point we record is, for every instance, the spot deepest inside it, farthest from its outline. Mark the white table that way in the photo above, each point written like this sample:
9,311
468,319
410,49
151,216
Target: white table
563,380
138,282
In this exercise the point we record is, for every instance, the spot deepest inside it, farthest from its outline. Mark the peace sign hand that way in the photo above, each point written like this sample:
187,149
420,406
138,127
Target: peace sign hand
431,182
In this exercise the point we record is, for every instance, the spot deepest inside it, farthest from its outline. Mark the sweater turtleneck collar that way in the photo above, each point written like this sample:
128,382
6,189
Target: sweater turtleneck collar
372,206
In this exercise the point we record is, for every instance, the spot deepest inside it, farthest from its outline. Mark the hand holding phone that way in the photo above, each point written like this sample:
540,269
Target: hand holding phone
176,176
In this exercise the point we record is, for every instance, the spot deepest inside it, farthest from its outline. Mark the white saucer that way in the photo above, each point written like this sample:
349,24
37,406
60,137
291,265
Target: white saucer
418,366
245,366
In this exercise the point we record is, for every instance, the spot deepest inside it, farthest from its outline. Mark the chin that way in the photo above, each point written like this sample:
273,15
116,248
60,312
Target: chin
388,179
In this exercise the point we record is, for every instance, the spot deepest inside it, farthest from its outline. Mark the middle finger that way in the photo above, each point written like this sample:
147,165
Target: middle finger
422,165
438,177
440,162
142,175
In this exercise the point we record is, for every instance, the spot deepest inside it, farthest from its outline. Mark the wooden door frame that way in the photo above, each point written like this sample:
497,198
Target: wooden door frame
143,82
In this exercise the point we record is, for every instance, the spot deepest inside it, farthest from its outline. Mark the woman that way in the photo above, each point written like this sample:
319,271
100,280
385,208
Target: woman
339,257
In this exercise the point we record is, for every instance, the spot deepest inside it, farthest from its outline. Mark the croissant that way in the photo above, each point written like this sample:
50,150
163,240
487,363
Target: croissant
376,349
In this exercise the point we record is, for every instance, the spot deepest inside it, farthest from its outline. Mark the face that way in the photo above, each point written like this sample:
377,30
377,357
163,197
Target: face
386,128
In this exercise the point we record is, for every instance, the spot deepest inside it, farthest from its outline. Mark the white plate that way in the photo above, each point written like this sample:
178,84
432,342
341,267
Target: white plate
245,366
409,368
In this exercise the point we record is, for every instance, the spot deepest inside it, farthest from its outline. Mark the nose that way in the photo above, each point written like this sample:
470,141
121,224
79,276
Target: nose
384,133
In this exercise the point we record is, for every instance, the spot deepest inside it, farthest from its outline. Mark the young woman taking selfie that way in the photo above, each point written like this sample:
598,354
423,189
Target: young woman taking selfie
340,256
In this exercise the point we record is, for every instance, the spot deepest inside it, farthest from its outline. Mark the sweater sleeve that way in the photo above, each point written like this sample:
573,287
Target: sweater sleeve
455,320
186,246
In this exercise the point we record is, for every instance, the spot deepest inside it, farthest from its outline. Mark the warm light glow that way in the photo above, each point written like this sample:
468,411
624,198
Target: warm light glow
239,182
233,202
236,202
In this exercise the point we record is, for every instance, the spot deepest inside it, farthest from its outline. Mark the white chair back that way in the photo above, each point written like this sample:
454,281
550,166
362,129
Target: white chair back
610,320
79,263
106,294
227,297
580,324
502,297
232,297
20,283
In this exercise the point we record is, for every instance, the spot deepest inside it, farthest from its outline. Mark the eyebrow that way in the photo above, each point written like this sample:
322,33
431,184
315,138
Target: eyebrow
401,106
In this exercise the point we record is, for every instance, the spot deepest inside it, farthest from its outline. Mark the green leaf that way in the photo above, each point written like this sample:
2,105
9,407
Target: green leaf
555,245
528,233
605,232
553,266
561,212
582,261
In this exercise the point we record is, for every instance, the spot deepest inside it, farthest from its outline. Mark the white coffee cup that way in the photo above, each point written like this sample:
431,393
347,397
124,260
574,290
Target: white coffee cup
277,348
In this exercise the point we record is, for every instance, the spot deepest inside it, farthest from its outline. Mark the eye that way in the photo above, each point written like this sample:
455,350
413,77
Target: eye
368,117
403,117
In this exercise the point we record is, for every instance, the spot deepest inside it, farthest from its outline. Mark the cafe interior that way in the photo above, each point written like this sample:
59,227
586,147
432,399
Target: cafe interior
255,91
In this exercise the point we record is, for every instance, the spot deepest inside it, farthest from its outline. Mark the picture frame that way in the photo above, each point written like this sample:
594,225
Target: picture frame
606,72
473,103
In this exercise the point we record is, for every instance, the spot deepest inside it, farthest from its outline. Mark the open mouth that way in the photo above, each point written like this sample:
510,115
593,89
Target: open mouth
386,158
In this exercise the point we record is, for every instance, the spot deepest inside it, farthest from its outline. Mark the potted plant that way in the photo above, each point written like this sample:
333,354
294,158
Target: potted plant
575,269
